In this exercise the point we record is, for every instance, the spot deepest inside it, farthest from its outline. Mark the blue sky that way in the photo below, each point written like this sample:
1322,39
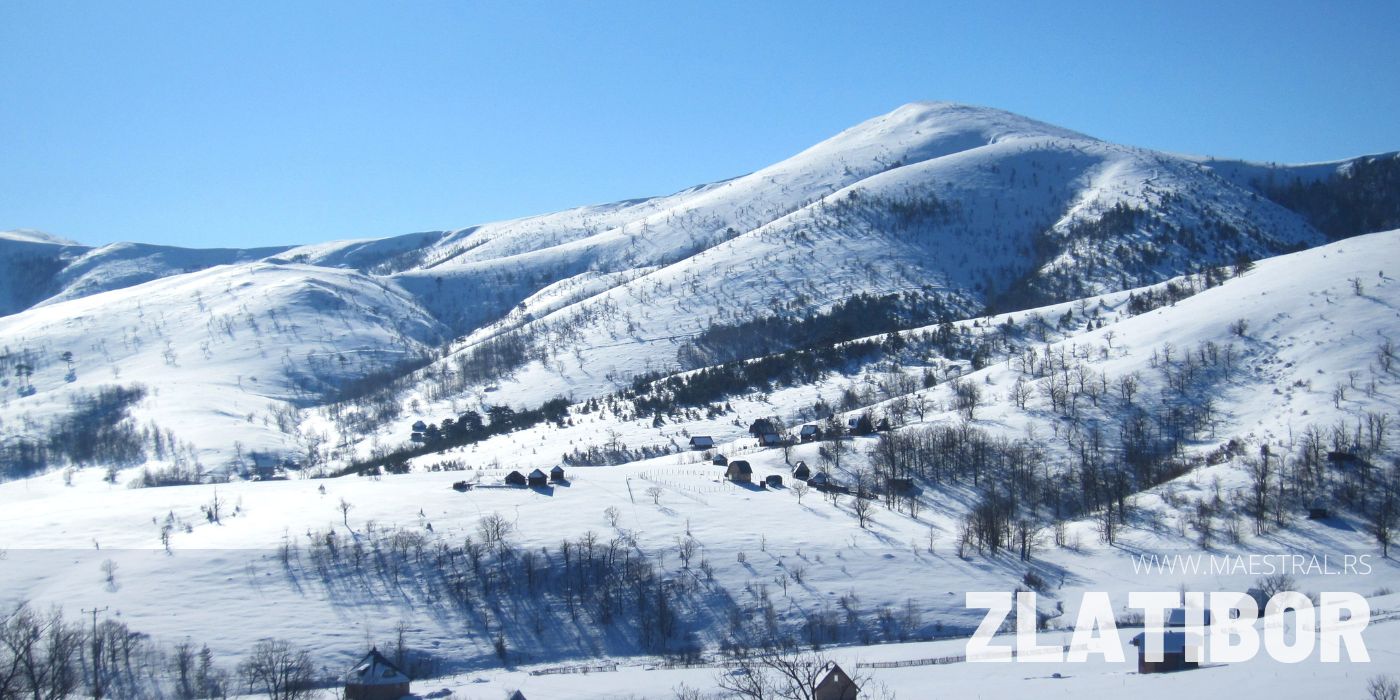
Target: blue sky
258,123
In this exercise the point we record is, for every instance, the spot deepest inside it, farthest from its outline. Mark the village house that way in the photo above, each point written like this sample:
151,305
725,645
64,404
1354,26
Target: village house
376,678
720,461
701,442
739,470
556,474
770,440
801,471
835,685
515,479
809,432
760,426
773,481
538,478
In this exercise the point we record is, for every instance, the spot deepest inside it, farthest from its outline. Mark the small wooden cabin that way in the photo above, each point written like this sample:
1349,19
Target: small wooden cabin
801,471
774,481
538,478
835,685
739,470
1174,646
770,440
556,474
720,461
701,442
809,432
515,479
376,678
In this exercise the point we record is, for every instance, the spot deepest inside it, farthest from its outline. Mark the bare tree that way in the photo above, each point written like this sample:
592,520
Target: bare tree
655,493
800,489
278,670
864,509
1383,688
345,507
494,529
685,547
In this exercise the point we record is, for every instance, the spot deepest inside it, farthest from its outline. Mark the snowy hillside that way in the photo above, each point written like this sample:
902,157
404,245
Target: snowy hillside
1292,348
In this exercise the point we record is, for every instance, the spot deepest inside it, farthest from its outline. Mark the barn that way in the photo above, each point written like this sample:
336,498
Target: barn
515,479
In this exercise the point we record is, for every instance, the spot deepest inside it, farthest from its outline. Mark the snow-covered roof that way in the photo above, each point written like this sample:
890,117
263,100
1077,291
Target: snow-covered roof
374,669
1173,642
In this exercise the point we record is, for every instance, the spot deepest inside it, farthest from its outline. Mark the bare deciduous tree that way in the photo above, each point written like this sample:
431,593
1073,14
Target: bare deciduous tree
278,670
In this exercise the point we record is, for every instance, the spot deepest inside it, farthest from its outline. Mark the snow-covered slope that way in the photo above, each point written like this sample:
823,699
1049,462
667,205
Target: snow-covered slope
221,352
1314,321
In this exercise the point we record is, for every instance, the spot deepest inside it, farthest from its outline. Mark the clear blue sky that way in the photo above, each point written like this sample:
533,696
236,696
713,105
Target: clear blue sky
256,123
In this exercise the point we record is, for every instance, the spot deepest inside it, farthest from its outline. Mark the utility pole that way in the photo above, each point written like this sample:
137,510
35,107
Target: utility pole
96,655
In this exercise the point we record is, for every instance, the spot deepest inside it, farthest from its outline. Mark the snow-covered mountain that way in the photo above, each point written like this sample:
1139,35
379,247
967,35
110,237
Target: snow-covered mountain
967,208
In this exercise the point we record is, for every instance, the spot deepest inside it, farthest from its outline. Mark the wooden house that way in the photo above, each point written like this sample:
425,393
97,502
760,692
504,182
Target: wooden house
836,684
770,440
739,470
556,474
376,678
1174,646
774,481
515,479
701,442
538,478
820,481
801,471
720,461
809,432
761,426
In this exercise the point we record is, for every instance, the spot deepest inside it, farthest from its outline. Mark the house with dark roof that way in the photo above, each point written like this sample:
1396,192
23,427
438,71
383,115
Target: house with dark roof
836,684
1174,646
376,678
538,478
809,432
739,470
515,479
701,442
556,474
720,461
801,471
